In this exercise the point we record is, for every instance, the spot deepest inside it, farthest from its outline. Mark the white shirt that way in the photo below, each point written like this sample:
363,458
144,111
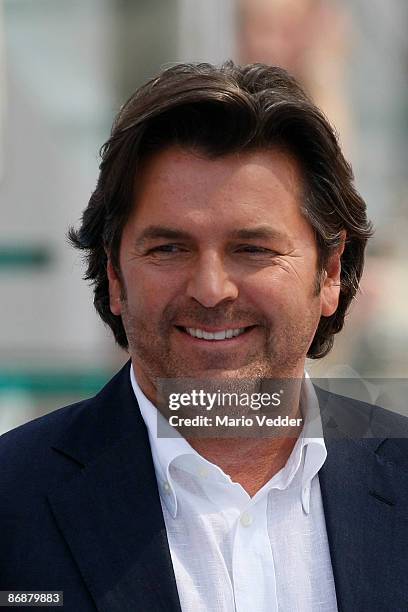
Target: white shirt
234,553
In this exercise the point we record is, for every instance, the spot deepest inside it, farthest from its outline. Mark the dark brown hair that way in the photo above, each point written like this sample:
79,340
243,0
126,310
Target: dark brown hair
222,110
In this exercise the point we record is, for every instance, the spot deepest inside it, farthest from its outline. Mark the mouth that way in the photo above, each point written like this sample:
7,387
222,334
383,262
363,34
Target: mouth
219,335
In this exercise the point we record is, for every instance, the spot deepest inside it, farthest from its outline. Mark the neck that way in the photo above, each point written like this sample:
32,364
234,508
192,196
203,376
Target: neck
250,462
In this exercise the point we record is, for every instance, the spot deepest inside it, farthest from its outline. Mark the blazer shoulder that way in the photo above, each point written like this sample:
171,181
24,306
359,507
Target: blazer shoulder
383,431
26,450
88,414
56,445
41,428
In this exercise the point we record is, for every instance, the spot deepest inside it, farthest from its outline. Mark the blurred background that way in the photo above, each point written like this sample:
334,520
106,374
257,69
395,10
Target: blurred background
65,68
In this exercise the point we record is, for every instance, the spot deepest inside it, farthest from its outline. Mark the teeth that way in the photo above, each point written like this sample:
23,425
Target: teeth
220,335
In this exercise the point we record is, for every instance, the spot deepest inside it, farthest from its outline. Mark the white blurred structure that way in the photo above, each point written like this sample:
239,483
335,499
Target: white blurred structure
2,91
207,30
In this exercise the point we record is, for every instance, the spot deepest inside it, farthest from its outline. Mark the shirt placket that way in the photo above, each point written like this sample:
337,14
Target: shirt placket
252,561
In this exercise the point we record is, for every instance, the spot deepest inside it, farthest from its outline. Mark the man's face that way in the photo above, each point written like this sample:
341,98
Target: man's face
219,268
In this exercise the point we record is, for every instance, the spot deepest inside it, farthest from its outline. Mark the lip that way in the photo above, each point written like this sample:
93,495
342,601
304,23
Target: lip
217,344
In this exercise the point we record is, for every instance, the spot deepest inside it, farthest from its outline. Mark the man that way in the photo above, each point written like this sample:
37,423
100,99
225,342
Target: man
225,241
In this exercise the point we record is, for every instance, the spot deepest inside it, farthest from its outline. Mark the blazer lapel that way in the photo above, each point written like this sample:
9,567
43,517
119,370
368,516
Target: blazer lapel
110,512
365,501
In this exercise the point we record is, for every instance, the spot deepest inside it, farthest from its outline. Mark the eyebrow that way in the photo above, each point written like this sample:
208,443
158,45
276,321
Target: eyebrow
265,232
154,232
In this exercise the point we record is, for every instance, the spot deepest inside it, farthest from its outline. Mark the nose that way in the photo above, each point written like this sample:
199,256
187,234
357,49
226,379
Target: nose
210,283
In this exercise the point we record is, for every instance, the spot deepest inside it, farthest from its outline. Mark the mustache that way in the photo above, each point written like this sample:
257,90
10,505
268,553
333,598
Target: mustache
196,315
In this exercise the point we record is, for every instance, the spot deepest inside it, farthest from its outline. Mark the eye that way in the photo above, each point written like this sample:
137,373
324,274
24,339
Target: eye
256,250
166,249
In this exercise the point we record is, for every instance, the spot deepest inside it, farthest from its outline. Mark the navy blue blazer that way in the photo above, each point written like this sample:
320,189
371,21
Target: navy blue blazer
80,510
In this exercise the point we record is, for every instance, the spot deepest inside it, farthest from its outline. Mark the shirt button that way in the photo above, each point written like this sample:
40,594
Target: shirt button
166,488
203,472
246,519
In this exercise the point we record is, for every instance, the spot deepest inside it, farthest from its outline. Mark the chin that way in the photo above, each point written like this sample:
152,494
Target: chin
243,372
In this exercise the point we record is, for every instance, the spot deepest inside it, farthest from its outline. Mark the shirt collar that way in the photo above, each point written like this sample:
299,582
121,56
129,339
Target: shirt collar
315,453
308,454
164,450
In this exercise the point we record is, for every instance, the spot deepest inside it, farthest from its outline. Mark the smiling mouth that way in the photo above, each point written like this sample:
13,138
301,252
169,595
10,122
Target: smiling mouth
224,334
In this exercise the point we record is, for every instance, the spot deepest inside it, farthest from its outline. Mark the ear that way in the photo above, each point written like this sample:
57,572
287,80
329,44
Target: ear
330,291
115,289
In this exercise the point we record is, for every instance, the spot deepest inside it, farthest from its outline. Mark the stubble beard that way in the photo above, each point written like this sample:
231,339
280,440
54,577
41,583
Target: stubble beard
281,355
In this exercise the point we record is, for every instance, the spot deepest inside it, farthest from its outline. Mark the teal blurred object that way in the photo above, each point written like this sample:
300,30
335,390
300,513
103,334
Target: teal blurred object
53,381
23,257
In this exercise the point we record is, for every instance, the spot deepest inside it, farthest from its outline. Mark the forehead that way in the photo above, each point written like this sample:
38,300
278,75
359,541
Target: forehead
187,186
177,166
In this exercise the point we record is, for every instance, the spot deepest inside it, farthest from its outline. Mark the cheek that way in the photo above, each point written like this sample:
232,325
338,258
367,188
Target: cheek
265,297
282,291
148,296
272,285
